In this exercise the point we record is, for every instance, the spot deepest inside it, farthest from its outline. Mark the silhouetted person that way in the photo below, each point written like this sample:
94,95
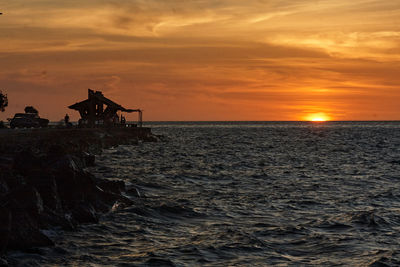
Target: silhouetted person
66,120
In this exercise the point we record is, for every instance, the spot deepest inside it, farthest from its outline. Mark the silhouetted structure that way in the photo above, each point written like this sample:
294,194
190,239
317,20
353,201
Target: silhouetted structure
98,110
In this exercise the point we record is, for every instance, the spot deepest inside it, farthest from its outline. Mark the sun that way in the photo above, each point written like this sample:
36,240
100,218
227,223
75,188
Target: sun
317,117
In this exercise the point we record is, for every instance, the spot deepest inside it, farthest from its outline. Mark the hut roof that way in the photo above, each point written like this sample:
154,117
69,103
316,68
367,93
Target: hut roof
98,97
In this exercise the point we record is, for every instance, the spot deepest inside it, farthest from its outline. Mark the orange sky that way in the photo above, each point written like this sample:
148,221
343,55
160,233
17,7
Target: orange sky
205,60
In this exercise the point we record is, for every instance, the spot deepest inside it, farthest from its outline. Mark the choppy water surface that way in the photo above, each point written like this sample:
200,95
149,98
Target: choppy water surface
249,194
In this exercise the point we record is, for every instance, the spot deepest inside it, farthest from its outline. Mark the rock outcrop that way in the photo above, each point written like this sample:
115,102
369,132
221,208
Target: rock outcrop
44,184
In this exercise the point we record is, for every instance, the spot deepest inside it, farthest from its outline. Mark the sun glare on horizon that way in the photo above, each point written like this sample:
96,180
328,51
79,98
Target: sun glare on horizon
318,117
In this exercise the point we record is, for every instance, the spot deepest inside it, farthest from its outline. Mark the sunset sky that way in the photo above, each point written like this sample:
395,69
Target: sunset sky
205,60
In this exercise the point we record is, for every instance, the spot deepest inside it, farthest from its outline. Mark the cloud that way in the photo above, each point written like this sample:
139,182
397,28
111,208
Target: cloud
274,59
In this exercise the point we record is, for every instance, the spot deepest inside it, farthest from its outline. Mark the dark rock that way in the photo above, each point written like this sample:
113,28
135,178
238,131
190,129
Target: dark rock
56,150
89,159
113,186
6,162
21,211
3,187
85,213
49,219
126,202
150,138
46,186
28,199
104,200
11,180
43,183
26,161
108,200
60,250
87,185
3,263
72,185
76,186
65,163
5,228
134,192
24,233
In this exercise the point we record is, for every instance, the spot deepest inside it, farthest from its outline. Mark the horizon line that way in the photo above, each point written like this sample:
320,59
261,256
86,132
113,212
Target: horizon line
263,121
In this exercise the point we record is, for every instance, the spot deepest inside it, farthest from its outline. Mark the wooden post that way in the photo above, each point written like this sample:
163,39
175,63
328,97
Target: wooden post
140,118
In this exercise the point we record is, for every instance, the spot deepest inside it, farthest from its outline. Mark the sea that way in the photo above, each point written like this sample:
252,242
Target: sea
246,194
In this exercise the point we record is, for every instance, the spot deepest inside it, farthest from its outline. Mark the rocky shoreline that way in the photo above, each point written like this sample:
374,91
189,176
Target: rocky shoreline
44,184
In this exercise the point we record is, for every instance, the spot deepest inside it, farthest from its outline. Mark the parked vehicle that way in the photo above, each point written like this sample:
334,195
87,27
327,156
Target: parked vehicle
28,120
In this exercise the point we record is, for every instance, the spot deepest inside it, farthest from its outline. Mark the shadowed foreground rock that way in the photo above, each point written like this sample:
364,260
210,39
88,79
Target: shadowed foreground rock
43,182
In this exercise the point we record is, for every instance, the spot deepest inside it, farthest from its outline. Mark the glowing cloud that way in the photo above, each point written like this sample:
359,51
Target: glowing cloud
205,60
